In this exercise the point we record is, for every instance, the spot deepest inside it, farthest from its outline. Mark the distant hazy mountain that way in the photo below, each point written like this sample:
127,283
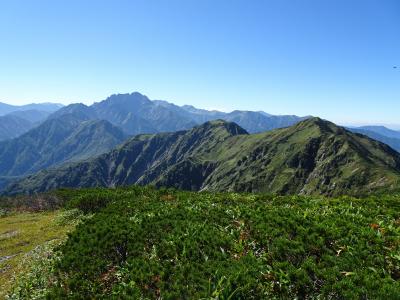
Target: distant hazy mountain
47,107
17,123
252,121
377,133
132,110
255,122
55,141
202,115
312,157
16,120
34,116
136,114
12,126
382,130
79,110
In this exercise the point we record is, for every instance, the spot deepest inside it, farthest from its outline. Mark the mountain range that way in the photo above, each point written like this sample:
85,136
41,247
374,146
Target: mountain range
136,114
56,141
32,140
382,130
47,107
16,120
63,144
382,134
312,157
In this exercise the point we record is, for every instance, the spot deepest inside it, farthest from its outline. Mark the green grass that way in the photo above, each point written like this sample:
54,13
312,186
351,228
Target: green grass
20,233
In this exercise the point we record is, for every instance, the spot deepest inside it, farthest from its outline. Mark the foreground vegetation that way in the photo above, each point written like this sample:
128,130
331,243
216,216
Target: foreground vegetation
142,243
21,236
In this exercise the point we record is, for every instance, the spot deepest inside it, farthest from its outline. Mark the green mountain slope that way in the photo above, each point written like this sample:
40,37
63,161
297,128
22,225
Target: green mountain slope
56,141
312,157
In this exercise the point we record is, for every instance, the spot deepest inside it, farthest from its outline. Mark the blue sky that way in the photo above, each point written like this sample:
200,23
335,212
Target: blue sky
334,59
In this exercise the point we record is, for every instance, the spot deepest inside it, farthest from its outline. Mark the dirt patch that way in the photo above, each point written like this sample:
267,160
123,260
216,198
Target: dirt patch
23,243
8,234
7,257
5,269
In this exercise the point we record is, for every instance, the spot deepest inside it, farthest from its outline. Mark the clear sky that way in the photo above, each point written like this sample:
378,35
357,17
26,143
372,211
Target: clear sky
334,59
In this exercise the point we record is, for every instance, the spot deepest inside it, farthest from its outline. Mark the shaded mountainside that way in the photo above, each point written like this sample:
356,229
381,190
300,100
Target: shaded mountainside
56,141
136,114
312,157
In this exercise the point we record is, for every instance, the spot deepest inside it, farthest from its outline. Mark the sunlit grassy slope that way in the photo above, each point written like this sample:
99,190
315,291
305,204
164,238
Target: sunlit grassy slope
20,233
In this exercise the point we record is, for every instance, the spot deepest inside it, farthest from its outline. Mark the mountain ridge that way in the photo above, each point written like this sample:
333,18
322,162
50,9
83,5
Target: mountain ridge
134,113
47,106
312,157
137,114
56,141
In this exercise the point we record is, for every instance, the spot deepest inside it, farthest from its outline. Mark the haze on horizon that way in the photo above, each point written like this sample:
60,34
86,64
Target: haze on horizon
334,60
